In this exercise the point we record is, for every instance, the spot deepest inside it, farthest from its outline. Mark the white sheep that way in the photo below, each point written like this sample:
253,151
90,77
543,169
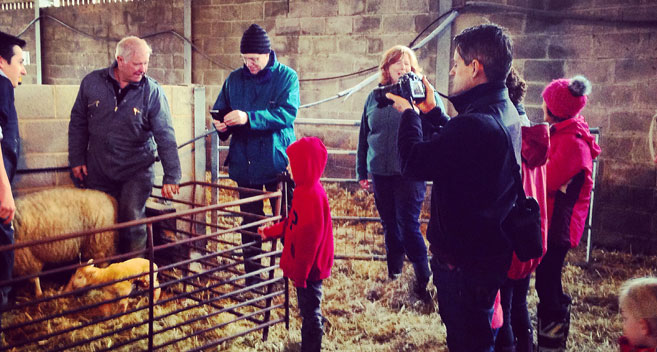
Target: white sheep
53,212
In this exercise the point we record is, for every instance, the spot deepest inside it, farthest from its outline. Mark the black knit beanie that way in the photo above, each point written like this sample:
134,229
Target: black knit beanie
255,41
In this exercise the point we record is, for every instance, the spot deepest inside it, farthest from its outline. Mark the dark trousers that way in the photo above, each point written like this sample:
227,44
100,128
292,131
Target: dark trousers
257,208
553,310
551,297
466,305
312,325
516,332
399,202
6,264
131,196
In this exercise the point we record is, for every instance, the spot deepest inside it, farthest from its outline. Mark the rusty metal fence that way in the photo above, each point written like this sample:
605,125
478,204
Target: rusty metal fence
195,253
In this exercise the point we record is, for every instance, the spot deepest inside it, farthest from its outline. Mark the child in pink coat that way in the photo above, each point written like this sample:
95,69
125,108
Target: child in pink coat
569,185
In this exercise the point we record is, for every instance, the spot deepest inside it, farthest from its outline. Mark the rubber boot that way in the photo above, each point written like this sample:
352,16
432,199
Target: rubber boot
566,304
553,326
525,342
422,276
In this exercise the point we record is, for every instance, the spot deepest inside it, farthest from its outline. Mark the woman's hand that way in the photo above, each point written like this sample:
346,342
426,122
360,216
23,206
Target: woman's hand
399,103
364,184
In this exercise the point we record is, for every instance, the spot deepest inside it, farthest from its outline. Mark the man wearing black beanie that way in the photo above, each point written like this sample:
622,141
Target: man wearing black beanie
259,103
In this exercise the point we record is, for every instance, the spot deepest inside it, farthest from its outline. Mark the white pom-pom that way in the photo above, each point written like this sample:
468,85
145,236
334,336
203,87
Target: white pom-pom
579,85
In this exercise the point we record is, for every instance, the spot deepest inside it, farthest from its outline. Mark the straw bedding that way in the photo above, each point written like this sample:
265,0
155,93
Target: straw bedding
367,312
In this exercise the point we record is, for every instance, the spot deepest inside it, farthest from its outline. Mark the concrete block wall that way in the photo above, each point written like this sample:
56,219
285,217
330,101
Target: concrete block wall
15,21
619,59
318,39
69,55
44,112
327,38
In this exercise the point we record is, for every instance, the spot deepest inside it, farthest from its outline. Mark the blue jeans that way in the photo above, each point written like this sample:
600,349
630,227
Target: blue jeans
516,332
312,326
465,301
399,202
131,196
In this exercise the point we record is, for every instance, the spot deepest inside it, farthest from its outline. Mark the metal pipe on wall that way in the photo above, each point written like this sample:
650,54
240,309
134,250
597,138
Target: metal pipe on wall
37,42
187,32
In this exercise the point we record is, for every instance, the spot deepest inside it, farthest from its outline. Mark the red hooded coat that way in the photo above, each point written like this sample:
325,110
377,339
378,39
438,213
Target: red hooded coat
308,230
570,163
626,346
535,145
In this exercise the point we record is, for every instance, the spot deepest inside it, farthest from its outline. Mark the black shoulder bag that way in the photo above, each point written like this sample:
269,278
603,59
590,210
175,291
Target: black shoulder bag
523,223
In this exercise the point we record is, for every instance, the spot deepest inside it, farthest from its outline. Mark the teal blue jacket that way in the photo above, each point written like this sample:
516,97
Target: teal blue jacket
377,141
271,99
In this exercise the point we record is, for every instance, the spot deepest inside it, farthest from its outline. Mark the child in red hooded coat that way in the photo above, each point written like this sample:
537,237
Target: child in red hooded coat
308,230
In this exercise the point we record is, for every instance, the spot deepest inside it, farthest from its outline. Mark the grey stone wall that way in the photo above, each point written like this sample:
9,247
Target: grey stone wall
321,39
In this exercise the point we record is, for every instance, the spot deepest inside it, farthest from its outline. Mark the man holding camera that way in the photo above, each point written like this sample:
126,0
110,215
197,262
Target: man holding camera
259,103
472,165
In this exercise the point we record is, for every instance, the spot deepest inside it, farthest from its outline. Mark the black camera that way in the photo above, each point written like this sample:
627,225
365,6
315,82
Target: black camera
409,87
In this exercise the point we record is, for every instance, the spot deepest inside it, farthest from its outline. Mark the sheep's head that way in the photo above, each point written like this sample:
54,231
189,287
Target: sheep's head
81,277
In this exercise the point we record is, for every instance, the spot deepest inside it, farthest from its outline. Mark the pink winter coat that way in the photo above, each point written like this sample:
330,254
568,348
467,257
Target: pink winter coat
535,145
569,181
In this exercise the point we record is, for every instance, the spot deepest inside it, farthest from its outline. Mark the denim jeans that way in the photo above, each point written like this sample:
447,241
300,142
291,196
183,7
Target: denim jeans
131,196
312,326
258,209
399,202
465,301
6,264
516,331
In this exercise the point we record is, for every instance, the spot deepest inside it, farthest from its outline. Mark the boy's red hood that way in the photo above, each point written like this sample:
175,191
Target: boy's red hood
307,160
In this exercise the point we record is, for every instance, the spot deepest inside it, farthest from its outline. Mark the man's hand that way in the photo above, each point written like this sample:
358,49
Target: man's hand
430,102
400,103
168,190
364,184
236,117
7,206
220,126
80,172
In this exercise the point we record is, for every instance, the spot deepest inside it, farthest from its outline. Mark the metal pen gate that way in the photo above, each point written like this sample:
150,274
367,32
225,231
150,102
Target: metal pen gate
374,250
205,300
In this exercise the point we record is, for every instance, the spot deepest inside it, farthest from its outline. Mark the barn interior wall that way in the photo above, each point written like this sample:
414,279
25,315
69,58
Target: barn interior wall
44,134
321,39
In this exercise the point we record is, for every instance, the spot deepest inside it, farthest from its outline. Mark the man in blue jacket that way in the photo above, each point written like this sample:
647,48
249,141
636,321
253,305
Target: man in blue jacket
471,162
11,70
259,102
118,120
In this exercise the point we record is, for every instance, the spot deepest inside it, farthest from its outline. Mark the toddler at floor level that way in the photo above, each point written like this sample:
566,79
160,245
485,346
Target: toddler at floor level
638,306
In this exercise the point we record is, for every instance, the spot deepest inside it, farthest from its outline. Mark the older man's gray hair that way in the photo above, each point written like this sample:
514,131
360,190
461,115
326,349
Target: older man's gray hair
126,47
